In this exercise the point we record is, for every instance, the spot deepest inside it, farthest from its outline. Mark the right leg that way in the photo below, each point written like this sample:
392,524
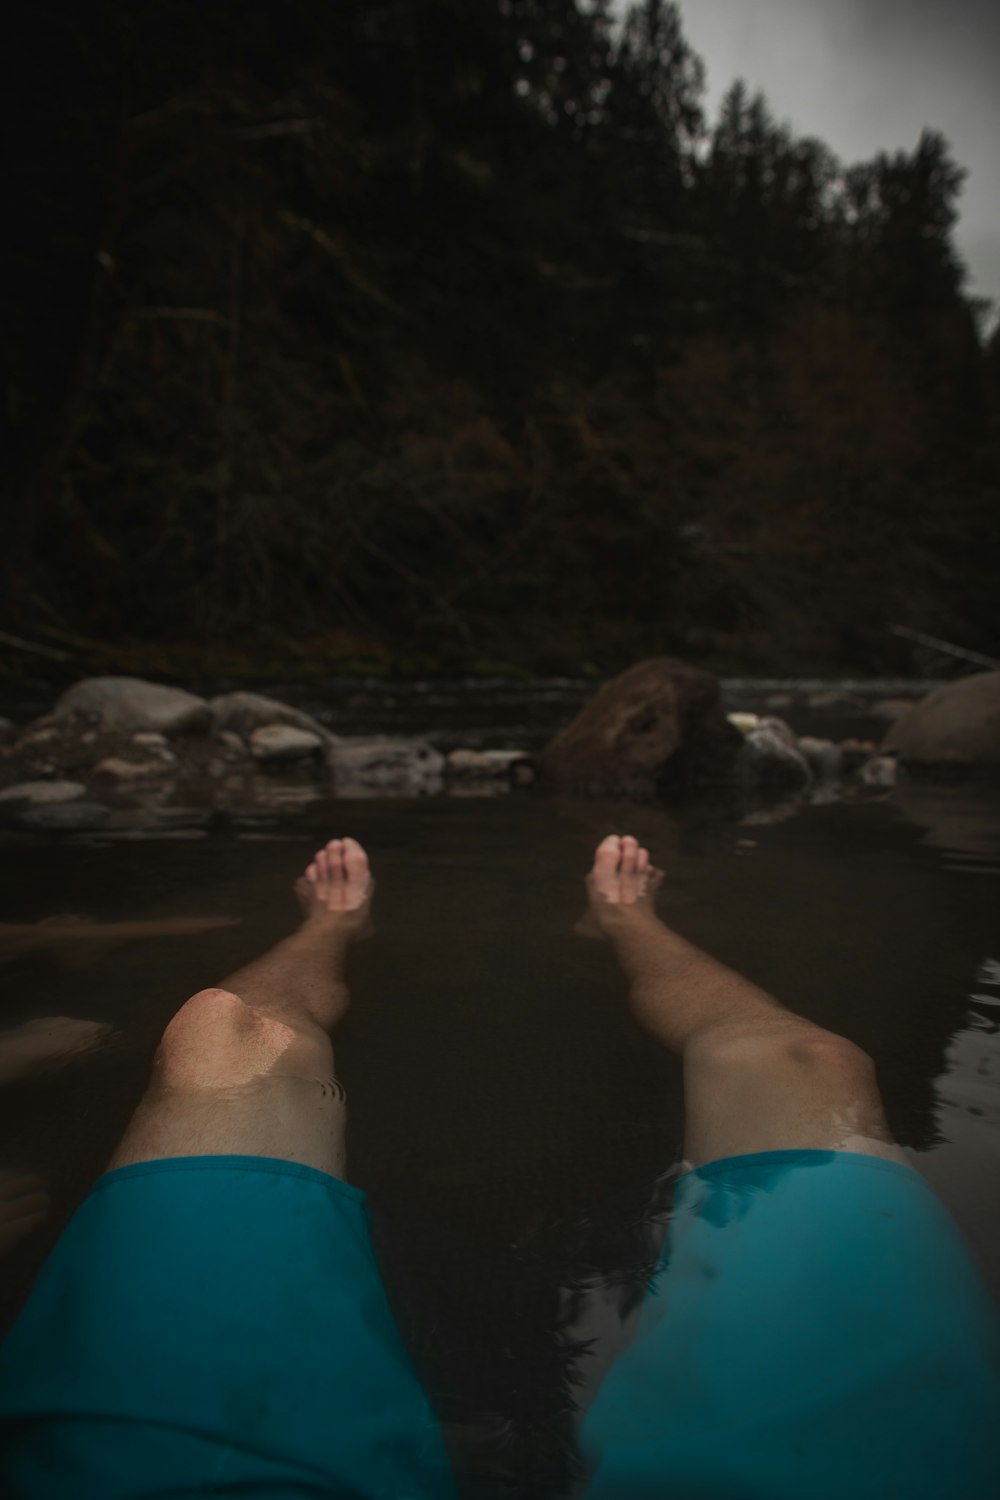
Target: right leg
756,1076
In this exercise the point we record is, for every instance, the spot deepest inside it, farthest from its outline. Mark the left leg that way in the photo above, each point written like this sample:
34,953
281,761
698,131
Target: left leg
246,1068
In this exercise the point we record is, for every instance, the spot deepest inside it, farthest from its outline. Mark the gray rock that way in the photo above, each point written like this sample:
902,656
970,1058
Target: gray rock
880,771
131,703
114,768
783,731
956,725
823,757
766,760
244,712
489,765
744,722
43,792
281,742
386,765
230,744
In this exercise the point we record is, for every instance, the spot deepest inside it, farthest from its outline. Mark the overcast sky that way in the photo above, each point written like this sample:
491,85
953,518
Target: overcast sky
868,75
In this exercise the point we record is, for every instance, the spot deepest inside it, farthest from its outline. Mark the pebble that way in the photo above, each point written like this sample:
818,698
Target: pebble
39,792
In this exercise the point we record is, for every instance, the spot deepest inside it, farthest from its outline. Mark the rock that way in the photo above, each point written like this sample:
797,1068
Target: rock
387,765
657,728
779,700
854,753
823,757
281,742
956,725
39,792
34,737
836,698
880,771
131,703
230,744
891,708
155,744
783,731
744,722
115,768
245,712
66,817
489,765
767,760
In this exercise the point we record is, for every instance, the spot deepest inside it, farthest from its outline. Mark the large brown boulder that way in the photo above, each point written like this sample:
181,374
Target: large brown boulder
956,725
658,728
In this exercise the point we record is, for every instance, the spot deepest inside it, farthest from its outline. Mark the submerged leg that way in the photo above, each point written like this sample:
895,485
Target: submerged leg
756,1076
247,1067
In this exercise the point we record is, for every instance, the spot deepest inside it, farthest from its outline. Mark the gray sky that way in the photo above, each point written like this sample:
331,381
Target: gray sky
868,75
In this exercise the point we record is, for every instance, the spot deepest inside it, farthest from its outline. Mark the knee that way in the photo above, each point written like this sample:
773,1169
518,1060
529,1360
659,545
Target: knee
809,1051
216,1040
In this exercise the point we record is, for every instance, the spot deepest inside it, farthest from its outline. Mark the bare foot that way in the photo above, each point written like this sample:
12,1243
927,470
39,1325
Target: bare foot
621,885
48,1043
24,1204
337,887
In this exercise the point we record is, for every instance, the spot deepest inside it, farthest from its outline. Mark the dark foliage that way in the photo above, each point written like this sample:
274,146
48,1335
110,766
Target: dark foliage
456,332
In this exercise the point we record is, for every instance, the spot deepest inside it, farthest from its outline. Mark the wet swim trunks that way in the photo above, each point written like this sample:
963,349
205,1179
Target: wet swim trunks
817,1331
215,1325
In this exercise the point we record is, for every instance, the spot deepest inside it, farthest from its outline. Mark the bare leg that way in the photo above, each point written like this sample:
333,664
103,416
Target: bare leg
247,1068
756,1076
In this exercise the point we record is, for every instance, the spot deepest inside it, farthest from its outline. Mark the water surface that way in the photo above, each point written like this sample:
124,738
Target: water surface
512,1127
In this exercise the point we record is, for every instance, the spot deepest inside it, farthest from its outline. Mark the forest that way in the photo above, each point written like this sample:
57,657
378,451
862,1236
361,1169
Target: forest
424,336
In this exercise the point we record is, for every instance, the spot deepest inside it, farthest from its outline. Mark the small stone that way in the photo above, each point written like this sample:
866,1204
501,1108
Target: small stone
823,756
387,765
880,771
486,765
151,738
767,760
114,768
283,742
781,730
745,723
230,743
38,792
244,712
38,737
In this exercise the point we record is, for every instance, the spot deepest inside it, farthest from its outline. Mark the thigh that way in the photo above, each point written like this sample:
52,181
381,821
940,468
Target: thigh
777,1086
230,1080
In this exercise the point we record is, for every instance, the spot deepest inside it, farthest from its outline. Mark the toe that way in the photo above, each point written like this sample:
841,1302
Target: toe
630,851
312,872
355,860
335,858
607,855
642,860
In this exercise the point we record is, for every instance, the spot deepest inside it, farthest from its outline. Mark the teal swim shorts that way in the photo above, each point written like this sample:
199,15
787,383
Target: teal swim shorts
217,1326
817,1330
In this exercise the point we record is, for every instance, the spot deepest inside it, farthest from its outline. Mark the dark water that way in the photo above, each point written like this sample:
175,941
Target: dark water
508,1121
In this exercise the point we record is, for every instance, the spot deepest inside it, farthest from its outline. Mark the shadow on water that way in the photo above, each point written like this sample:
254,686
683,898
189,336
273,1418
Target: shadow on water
515,1132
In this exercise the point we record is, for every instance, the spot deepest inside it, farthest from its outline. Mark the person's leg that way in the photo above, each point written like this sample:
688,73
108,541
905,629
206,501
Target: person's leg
756,1076
246,1067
